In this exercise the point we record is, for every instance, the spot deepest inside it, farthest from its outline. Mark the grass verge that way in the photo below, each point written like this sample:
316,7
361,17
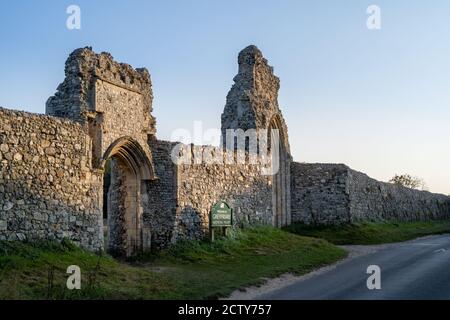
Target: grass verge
189,270
372,233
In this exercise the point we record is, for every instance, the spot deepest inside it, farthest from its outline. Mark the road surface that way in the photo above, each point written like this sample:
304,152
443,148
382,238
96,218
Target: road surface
418,269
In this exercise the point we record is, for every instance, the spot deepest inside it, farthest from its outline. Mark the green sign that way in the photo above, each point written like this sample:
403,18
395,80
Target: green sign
221,215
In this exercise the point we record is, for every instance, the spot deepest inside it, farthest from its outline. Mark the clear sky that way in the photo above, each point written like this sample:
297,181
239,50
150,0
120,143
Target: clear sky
378,101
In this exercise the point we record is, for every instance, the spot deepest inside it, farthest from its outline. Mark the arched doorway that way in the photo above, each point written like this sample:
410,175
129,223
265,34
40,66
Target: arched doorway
281,177
126,167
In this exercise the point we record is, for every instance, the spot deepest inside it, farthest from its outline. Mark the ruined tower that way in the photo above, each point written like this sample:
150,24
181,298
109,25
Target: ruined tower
112,100
113,103
252,103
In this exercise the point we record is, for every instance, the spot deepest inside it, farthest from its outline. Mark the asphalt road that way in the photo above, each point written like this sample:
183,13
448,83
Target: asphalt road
418,269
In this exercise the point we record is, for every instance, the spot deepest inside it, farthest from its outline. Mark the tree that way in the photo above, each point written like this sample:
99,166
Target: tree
408,181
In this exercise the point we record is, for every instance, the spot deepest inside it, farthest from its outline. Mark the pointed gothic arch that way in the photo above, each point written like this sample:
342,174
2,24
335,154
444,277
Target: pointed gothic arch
281,179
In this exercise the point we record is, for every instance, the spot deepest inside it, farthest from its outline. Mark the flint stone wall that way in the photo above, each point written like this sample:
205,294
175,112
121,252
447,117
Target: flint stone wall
374,200
200,185
160,198
186,192
319,193
47,187
333,194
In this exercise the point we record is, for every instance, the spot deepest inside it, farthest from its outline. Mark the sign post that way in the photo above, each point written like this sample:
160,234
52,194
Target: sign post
221,216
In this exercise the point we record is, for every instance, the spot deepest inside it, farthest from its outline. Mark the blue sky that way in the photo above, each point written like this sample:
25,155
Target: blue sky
378,101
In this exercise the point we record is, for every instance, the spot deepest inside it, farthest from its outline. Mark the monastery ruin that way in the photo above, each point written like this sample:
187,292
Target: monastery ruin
94,163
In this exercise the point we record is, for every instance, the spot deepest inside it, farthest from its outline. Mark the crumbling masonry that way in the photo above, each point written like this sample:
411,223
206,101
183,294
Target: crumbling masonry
99,127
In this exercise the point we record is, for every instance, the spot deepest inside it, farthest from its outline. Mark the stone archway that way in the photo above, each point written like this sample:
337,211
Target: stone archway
281,178
128,167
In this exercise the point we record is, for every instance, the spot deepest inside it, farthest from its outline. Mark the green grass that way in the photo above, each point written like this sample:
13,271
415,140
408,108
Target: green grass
189,270
372,233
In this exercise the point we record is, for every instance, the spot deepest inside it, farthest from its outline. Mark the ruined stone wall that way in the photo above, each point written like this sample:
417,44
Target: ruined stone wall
200,185
178,202
47,187
160,196
336,194
185,192
374,200
319,193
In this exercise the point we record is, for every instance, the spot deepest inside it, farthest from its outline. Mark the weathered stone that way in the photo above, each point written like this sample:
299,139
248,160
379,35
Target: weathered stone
60,173
21,237
26,185
8,206
45,144
333,194
18,157
38,216
50,151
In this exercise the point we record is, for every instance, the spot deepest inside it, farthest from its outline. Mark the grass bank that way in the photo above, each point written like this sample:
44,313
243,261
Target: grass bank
372,233
190,270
